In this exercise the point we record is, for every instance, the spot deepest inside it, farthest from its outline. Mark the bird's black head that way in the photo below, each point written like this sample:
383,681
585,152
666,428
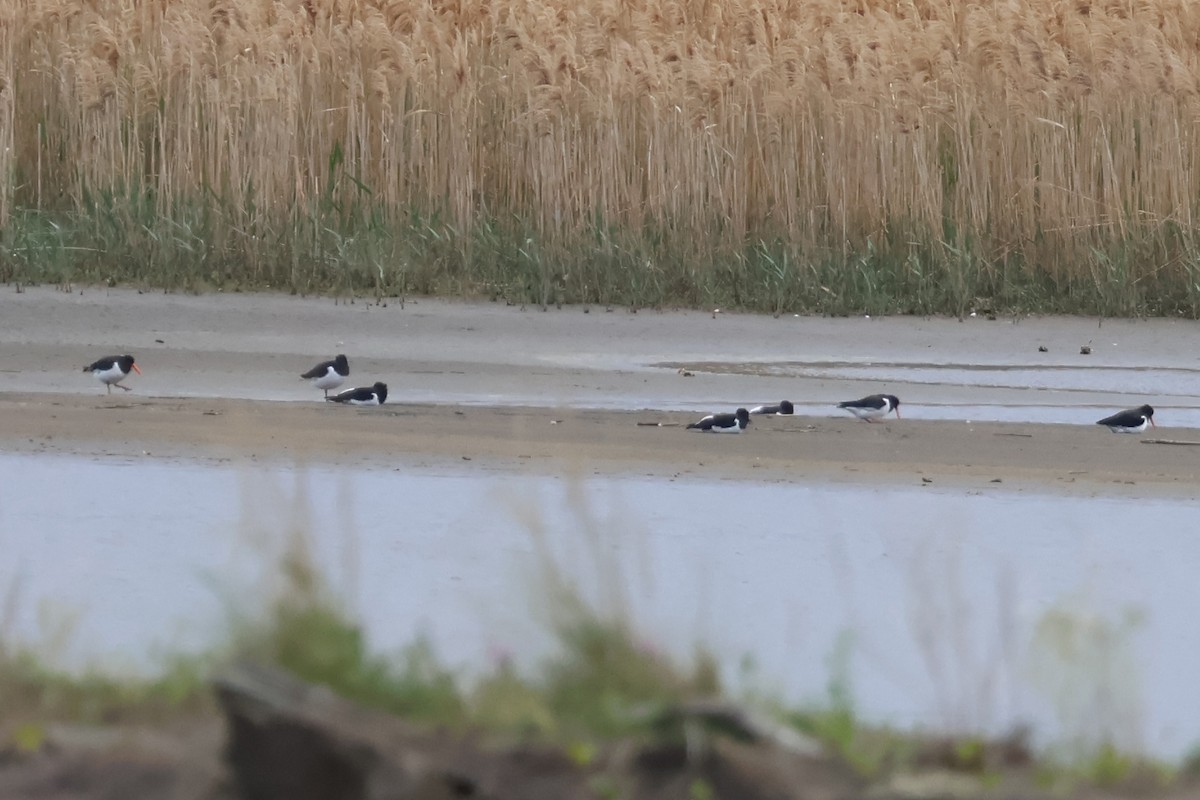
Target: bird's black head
341,364
742,416
786,407
893,404
1146,411
380,390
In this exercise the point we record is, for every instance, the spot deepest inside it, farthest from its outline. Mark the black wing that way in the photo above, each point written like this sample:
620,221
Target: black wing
102,364
350,394
1123,419
318,370
870,401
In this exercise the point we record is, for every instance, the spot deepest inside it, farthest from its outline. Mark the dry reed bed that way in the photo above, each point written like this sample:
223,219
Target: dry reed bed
1029,129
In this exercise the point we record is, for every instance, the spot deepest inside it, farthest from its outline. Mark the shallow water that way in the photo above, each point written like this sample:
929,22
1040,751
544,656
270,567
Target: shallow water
960,610
255,346
998,392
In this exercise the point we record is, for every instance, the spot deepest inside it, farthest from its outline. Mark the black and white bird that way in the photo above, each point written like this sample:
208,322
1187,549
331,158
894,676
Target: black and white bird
1131,420
111,370
329,374
872,407
784,408
362,396
724,423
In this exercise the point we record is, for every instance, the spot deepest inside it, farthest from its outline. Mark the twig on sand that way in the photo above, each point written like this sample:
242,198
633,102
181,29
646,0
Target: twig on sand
1181,442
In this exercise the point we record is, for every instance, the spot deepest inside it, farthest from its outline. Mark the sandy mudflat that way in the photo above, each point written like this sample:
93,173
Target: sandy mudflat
778,449
509,388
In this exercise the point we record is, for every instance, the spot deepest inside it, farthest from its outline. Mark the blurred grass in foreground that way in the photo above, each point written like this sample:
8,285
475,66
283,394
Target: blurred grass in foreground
604,681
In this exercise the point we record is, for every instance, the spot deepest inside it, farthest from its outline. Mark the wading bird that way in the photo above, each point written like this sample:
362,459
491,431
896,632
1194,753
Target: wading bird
362,396
872,407
724,423
329,374
111,370
1131,420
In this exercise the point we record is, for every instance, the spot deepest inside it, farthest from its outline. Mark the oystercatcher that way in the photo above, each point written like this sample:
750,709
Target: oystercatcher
329,374
872,407
111,370
724,423
784,408
1131,420
362,396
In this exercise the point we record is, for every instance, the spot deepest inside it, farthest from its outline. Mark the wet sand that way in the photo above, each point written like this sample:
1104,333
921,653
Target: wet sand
775,449
509,388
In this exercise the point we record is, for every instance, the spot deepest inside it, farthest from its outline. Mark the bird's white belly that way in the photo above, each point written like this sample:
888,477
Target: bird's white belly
110,376
330,380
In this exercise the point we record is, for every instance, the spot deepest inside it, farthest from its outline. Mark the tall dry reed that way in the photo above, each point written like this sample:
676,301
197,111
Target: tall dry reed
1035,134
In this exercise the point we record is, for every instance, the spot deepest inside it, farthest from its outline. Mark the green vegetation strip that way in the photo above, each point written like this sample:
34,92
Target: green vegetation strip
603,685
370,251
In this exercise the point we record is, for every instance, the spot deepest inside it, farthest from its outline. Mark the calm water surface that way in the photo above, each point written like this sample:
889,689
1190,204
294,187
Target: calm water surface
941,608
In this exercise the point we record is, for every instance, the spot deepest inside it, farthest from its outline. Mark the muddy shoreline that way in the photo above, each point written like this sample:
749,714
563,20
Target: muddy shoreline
254,346
508,388
796,449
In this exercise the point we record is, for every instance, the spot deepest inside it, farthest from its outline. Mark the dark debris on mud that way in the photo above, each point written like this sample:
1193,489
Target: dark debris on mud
281,738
